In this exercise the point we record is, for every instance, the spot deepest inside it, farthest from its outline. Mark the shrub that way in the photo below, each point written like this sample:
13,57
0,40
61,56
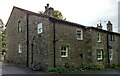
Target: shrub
58,70
61,70
114,66
91,66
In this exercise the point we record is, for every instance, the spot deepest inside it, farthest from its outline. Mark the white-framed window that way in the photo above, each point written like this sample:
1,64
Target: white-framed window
39,28
98,37
64,51
19,48
99,53
79,34
19,26
111,54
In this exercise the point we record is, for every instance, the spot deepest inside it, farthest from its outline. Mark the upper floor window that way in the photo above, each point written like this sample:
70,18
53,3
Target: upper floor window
99,54
64,51
19,26
79,33
19,48
98,37
112,38
39,28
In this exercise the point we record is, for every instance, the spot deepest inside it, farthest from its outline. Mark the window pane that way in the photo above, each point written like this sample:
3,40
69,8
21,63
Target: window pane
79,34
98,37
99,54
19,26
64,51
19,48
39,28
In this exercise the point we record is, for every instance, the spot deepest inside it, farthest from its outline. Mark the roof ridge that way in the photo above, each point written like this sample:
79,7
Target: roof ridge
29,12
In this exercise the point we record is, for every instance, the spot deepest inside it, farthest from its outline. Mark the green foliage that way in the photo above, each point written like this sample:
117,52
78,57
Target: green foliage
58,70
57,14
91,66
114,66
3,49
63,70
71,69
3,42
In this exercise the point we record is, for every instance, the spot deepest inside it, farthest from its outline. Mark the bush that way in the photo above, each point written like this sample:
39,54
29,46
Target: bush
58,70
114,66
62,70
91,66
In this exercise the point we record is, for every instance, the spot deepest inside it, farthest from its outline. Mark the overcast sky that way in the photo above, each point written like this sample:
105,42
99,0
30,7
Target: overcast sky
85,12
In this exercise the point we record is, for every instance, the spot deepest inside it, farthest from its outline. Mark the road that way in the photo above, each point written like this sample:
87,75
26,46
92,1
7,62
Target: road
6,68
12,69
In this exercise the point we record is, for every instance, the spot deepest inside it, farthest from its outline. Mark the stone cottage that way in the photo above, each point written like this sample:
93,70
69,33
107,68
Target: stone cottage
40,40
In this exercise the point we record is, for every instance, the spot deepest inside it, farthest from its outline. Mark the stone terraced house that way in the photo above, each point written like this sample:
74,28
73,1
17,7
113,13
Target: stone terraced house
40,40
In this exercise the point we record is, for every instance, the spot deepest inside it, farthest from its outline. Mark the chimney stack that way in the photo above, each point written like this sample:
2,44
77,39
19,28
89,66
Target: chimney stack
48,10
99,26
109,26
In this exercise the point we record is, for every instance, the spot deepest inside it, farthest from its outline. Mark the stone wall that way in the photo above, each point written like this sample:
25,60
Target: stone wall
14,37
65,35
38,43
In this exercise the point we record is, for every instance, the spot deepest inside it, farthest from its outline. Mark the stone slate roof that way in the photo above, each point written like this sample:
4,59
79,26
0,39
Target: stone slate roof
65,22
58,20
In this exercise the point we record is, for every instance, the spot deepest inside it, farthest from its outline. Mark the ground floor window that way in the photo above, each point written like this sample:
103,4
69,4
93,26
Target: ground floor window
110,54
99,53
19,48
64,51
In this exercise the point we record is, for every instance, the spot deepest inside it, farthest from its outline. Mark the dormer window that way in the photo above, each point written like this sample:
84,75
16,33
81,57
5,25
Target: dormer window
39,28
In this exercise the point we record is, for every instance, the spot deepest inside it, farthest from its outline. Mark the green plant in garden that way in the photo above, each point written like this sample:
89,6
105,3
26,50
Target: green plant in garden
3,42
91,66
114,66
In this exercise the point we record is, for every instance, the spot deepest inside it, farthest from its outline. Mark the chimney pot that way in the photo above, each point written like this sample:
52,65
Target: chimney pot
47,5
99,26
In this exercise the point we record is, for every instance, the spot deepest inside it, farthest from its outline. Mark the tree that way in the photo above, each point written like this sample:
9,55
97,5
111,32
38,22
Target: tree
57,14
3,41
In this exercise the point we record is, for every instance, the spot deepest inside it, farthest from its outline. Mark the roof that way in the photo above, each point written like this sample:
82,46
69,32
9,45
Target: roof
59,20
42,15
26,11
29,12
102,30
65,22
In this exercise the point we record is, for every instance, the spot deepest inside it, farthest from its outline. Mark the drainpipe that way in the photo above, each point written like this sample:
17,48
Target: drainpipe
32,49
27,62
108,50
54,44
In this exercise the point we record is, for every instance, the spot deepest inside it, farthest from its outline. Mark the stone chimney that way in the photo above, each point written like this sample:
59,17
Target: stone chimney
48,10
99,26
109,26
